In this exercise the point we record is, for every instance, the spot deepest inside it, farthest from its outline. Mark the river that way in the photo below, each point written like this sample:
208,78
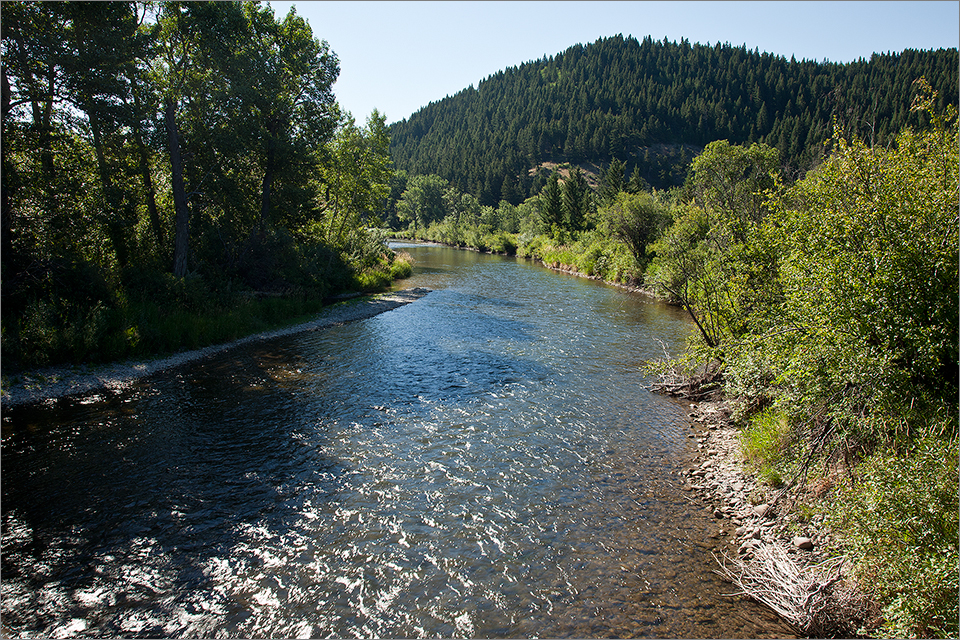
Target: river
483,462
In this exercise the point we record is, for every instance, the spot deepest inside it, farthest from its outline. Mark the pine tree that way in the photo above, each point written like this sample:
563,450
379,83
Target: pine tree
551,203
576,200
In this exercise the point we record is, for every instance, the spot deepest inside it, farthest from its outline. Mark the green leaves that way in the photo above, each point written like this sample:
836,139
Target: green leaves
718,260
869,267
900,520
551,202
356,176
636,219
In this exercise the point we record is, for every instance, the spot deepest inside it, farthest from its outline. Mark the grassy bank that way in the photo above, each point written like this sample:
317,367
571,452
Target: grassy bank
156,314
590,253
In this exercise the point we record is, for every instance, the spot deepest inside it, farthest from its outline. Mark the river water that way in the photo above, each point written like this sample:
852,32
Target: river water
483,462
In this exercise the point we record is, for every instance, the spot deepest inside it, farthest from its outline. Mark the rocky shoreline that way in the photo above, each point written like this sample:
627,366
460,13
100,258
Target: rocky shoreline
746,512
58,382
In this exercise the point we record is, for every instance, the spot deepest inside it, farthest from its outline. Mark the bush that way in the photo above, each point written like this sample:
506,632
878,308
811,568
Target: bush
898,520
766,445
502,242
401,266
531,246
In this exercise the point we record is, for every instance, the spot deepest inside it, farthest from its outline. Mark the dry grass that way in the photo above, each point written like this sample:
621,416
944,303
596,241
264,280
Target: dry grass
814,599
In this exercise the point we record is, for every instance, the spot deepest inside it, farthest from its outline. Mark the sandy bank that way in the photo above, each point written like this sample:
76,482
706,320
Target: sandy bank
58,382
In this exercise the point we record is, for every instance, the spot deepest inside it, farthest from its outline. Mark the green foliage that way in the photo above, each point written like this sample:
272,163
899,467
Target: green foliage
577,200
833,303
635,219
869,272
654,105
733,182
198,138
718,260
401,266
551,203
356,177
899,519
592,254
766,445
422,203
380,274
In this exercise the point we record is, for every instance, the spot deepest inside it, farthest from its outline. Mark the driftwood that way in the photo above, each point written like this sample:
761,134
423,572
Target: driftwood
703,384
812,599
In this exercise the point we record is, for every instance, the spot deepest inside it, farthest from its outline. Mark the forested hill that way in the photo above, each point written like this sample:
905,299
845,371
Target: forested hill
653,104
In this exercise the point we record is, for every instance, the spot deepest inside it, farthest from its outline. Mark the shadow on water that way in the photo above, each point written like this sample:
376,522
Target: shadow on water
114,505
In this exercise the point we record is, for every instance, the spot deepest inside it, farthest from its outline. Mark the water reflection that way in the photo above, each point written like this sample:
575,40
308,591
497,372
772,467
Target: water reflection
480,463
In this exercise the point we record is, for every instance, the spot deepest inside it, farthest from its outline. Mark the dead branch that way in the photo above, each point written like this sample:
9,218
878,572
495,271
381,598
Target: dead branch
805,597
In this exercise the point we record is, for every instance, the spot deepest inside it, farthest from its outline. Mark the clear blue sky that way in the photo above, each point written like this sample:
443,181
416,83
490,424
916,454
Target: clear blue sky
400,56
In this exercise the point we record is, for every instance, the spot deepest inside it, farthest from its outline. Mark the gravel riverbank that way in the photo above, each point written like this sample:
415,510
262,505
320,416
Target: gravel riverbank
58,382
743,508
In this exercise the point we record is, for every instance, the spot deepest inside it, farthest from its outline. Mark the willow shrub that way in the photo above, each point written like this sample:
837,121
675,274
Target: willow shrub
899,520
864,347
869,271
592,253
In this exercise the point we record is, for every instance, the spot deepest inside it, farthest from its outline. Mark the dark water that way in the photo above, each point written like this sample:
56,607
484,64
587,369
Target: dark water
482,463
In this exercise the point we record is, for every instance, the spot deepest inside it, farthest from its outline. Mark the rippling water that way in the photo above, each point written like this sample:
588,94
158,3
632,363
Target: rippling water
480,463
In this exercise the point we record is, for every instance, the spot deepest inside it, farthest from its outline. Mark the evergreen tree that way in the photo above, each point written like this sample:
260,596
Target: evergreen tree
612,181
612,98
551,203
576,200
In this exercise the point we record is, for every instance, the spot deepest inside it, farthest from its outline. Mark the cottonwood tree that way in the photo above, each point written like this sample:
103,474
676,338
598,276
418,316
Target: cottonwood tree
33,124
282,78
190,35
101,48
423,200
357,176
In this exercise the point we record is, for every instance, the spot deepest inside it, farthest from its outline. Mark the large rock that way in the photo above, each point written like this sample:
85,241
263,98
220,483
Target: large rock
763,510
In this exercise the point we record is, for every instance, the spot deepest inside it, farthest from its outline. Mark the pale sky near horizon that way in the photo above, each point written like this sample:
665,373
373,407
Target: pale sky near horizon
400,56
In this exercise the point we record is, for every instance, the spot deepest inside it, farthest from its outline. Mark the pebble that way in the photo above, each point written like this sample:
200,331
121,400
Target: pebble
763,510
748,546
716,475
803,542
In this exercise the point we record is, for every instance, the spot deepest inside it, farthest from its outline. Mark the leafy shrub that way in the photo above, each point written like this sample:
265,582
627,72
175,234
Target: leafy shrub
531,246
898,520
401,266
502,242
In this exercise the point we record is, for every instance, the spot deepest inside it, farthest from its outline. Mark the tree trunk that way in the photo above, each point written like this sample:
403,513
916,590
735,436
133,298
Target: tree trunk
268,179
44,128
111,207
149,191
6,206
181,244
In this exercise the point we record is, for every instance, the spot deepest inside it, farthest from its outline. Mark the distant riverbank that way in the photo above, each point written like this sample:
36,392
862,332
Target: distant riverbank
58,382
554,266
